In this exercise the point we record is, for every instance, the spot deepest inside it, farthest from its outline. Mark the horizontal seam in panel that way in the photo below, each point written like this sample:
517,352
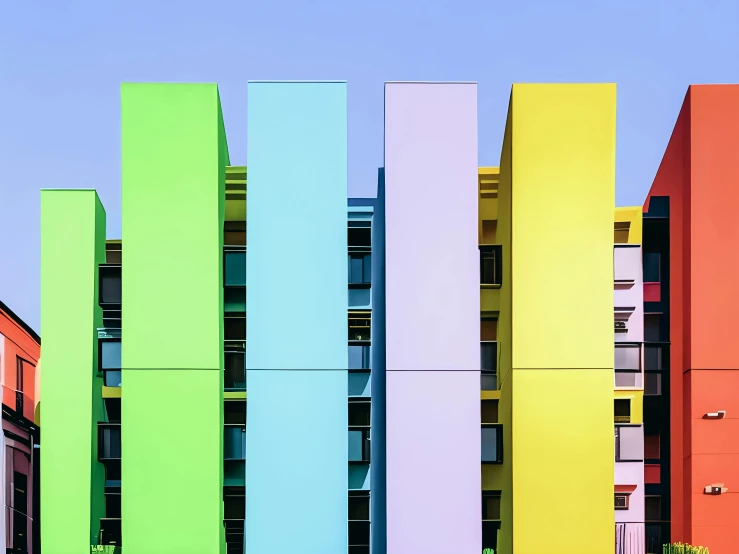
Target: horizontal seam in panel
565,368
167,369
438,370
711,369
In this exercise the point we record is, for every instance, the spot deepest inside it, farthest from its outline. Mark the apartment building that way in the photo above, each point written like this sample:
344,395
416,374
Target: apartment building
19,488
476,353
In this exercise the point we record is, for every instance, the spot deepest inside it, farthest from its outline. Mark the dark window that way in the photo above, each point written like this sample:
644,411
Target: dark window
489,411
112,504
359,444
622,410
488,365
110,361
19,374
492,444
234,412
490,265
20,509
651,447
110,284
621,501
651,327
234,328
110,531
234,272
234,233
490,505
234,507
653,384
652,508
359,413
360,268
359,326
359,506
359,234
651,267
109,441
234,377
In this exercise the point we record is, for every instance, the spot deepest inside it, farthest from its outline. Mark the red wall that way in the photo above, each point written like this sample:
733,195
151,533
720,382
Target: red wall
18,342
700,173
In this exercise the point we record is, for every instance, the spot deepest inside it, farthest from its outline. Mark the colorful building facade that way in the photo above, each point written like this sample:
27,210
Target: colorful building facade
494,367
20,439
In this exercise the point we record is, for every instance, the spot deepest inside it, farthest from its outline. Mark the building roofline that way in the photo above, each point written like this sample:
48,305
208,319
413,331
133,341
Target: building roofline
4,307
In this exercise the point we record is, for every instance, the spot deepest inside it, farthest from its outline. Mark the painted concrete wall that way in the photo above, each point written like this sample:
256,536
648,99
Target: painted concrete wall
173,168
562,179
433,318
627,261
699,174
297,153
72,480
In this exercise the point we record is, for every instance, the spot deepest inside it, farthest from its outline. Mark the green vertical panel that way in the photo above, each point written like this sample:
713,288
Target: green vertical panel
72,480
173,174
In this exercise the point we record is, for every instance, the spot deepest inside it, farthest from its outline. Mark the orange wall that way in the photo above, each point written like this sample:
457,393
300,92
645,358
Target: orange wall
18,342
700,174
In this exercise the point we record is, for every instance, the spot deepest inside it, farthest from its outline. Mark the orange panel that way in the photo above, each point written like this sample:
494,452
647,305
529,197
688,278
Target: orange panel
715,390
715,510
719,540
714,225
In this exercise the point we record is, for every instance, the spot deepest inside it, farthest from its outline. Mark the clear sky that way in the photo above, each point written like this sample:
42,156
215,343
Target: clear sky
61,63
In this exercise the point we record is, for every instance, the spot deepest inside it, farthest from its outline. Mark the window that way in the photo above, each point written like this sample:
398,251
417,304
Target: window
492,444
651,447
629,443
234,272
360,268
234,412
488,365
621,501
652,508
651,327
109,441
359,445
359,234
110,361
234,506
110,285
490,265
112,503
489,411
490,505
359,413
234,328
622,410
234,377
627,357
652,272
359,505
19,374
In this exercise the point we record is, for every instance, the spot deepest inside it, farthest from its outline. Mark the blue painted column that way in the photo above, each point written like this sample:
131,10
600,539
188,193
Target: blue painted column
296,355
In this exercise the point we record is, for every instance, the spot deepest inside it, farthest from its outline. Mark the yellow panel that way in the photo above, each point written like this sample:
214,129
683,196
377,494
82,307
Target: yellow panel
489,298
633,216
234,395
563,166
490,395
563,460
111,392
637,403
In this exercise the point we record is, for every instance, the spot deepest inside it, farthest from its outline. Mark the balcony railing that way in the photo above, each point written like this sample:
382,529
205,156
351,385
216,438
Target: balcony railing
109,441
628,365
359,444
489,365
630,538
490,264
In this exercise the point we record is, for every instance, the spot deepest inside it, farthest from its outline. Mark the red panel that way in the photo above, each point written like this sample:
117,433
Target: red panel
718,539
714,231
651,474
652,292
713,391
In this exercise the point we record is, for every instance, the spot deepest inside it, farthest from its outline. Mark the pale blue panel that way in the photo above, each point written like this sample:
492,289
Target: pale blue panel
297,300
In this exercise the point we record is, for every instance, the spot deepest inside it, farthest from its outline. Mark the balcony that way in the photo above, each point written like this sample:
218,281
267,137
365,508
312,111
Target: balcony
492,443
628,365
110,531
234,442
489,365
109,356
490,518
110,293
234,279
16,526
109,442
630,538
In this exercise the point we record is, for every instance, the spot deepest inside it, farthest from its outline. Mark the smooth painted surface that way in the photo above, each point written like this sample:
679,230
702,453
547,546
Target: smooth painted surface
297,381
432,271
699,173
559,175
564,150
72,480
173,165
432,328
433,465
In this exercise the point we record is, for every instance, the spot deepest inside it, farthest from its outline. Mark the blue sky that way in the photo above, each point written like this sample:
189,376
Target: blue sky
61,64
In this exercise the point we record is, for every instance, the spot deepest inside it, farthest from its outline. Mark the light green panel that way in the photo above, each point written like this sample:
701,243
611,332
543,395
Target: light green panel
173,177
172,461
173,172
72,480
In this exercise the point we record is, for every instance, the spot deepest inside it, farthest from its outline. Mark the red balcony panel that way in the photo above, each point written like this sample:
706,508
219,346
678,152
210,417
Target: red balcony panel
651,292
651,474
